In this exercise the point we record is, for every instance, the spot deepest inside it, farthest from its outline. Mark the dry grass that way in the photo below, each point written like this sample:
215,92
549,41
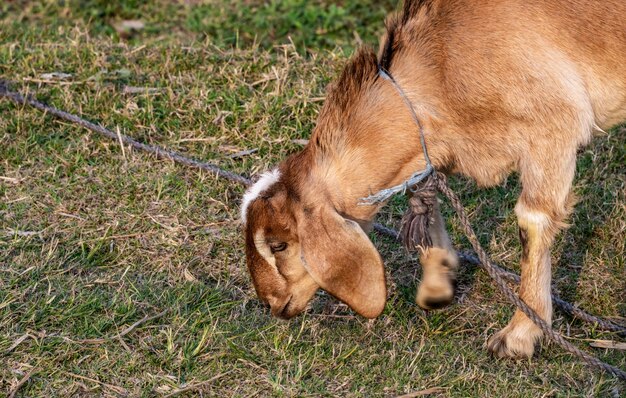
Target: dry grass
95,239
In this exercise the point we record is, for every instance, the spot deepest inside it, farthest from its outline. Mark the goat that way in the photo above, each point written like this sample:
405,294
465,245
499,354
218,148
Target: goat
500,86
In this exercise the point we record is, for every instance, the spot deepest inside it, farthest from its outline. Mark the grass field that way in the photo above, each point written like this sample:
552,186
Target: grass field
95,237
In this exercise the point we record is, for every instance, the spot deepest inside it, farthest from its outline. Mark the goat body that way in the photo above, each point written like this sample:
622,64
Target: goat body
500,86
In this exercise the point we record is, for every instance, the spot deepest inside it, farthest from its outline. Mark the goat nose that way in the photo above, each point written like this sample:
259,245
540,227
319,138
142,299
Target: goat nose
272,300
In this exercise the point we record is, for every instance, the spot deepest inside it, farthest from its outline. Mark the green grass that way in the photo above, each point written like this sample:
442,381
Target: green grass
94,239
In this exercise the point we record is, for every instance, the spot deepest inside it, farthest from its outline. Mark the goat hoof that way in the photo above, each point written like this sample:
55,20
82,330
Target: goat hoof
438,283
433,302
516,342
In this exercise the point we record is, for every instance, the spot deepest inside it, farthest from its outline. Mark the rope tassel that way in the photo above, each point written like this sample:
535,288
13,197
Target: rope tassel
418,217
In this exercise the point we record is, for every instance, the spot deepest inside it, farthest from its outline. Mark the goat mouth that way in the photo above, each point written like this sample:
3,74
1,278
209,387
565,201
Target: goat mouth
284,312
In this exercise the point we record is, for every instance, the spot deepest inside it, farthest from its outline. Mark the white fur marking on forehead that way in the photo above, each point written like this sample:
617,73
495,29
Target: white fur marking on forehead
267,179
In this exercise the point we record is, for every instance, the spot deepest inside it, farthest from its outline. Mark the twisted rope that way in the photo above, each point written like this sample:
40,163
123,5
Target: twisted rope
492,270
442,186
158,151
417,219
561,304
512,277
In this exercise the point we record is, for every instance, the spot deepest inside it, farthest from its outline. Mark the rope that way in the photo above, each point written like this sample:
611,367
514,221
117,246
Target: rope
417,177
417,219
497,273
561,304
512,277
493,271
158,151
486,264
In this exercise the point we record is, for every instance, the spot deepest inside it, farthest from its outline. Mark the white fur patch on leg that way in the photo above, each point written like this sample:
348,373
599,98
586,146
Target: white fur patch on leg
267,179
527,216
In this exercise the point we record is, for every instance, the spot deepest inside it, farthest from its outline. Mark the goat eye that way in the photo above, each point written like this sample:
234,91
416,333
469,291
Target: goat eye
277,246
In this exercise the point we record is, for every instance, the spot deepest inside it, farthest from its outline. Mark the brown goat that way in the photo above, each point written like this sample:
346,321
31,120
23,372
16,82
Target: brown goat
500,86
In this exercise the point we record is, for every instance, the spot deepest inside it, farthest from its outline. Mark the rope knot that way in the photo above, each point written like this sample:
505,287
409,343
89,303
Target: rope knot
414,228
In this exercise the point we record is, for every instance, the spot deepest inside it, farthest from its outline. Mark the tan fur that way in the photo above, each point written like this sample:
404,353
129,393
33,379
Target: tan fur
439,268
439,265
500,86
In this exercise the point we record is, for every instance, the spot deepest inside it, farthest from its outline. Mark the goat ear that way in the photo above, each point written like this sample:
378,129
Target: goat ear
343,261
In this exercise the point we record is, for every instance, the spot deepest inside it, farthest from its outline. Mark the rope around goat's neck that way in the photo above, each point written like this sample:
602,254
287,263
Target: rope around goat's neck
417,177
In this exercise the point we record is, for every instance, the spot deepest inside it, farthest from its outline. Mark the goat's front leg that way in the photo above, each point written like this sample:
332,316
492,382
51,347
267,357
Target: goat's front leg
539,213
439,266
518,338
